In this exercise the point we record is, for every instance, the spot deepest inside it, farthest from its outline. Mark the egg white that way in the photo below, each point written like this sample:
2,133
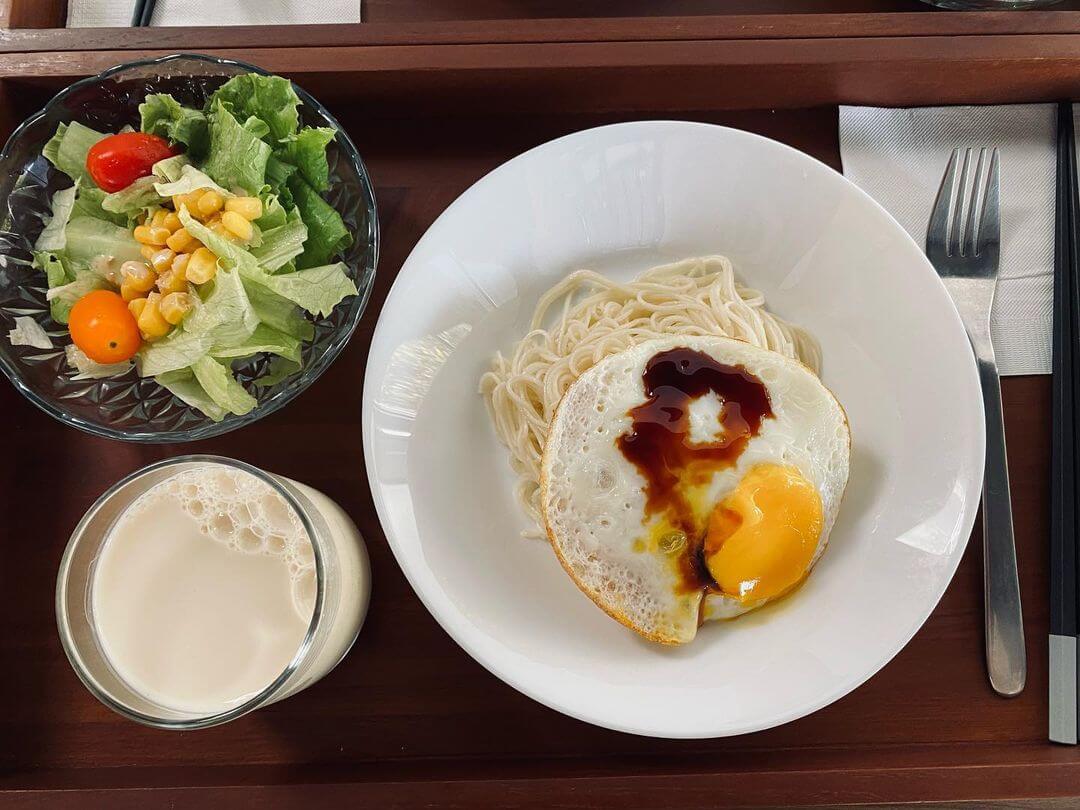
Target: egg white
593,498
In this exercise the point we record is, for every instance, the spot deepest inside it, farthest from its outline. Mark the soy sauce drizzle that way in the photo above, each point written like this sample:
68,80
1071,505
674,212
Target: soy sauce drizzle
659,444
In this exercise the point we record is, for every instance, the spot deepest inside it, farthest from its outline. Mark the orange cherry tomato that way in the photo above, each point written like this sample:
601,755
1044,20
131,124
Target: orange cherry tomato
118,161
102,326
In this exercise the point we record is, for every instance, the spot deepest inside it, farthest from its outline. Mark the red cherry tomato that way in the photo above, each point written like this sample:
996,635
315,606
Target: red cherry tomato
118,161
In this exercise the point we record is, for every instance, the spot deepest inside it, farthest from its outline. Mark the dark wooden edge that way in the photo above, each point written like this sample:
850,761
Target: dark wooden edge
636,29
685,790
654,76
36,13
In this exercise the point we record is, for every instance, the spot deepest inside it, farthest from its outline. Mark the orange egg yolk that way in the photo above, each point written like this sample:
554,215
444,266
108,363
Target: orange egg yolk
762,536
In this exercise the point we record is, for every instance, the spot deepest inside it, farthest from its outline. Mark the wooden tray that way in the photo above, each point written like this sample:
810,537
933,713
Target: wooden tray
409,719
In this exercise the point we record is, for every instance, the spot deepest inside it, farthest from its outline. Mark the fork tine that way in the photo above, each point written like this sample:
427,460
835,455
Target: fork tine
972,220
990,221
960,209
937,232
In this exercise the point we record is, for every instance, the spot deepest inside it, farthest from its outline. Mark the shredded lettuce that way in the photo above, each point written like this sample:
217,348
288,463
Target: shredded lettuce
280,368
218,382
87,369
170,169
224,315
307,151
327,234
237,158
183,385
88,238
177,351
270,98
317,289
162,115
263,339
67,149
139,195
53,236
189,180
278,173
88,204
279,313
274,215
62,298
28,332
281,245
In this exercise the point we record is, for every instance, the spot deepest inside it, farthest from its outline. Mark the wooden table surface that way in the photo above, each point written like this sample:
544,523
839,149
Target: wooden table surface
408,718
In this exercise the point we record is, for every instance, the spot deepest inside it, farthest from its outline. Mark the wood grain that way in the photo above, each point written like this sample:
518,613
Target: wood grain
566,29
409,719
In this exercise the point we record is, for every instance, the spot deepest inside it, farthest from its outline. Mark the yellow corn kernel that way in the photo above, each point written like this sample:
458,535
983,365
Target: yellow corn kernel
222,231
163,260
189,200
151,323
135,306
171,281
202,266
158,219
137,276
171,221
143,235
148,251
129,293
210,203
237,225
179,264
180,241
248,207
175,306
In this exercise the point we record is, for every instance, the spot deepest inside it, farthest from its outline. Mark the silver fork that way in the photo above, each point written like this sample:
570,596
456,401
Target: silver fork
963,243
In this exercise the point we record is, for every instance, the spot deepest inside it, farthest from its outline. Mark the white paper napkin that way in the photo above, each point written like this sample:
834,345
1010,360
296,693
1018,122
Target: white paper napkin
117,13
898,157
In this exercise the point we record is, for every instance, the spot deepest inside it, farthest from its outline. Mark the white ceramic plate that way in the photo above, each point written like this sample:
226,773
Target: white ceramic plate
620,199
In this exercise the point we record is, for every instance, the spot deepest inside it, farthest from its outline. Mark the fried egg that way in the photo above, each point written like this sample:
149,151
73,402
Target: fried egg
692,478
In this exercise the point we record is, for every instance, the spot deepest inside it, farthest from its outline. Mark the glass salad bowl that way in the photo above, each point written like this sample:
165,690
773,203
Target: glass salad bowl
129,407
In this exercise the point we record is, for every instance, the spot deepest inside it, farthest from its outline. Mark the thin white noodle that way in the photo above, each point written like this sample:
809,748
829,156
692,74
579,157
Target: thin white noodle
596,317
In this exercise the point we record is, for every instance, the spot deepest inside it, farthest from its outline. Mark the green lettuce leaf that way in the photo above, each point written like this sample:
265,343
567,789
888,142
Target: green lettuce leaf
307,151
317,289
257,127
67,149
88,203
273,215
270,98
217,381
327,234
56,275
279,313
278,173
63,203
230,254
224,313
170,169
177,351
280,368
62,298
164,116
87,369
237,158
133,199
183,385
282,244
88,238
263,339
190,179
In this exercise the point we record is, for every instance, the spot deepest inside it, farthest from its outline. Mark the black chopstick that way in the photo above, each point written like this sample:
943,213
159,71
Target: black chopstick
1063,479
147,12
136,15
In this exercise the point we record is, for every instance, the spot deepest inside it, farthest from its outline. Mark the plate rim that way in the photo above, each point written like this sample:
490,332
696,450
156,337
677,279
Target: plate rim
453,622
